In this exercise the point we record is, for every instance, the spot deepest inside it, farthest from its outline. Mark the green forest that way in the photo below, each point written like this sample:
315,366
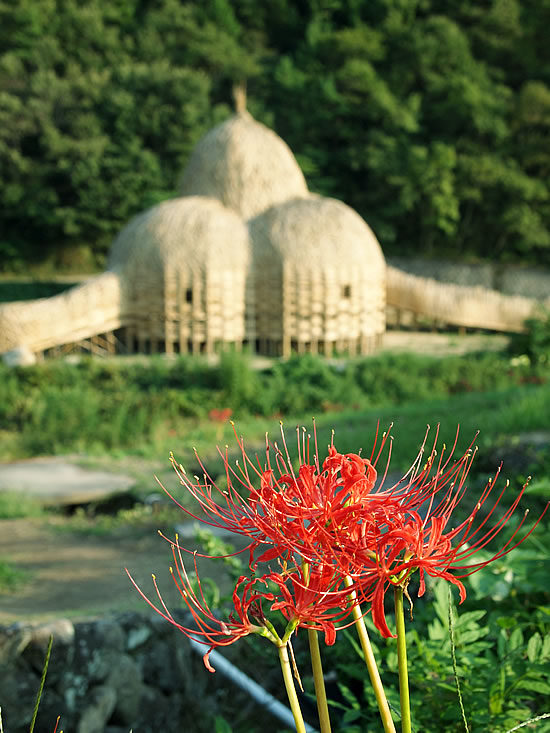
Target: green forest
431,118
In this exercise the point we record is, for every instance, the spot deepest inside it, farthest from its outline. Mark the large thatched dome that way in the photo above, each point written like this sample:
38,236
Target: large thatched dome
184,263
319,274
245,165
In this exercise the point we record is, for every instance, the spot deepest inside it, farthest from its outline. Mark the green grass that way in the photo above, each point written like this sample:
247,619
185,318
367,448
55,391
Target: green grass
493,414
15,505
11,578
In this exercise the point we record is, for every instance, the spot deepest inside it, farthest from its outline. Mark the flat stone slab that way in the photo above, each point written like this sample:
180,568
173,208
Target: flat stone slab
55,481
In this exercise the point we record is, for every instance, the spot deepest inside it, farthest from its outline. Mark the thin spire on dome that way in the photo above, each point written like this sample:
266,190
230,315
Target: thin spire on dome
239,96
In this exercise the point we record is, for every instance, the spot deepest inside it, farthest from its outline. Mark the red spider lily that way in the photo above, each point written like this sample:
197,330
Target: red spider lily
220,415
333,515
328,513
302,512
413,542
314,598
247,617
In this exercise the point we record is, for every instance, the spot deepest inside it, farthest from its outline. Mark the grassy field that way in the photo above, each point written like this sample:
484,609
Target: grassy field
149,406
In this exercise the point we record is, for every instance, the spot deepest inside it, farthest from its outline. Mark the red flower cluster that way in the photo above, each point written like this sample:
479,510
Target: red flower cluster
336,536
220,415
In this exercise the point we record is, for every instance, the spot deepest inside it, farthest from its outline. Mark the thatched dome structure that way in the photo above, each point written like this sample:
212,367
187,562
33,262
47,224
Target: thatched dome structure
319,275
184,263
245,165
245,255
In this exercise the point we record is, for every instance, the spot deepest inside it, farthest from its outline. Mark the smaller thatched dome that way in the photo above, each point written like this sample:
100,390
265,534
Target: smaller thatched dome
184,265
319,275
189,233
318,234
245,165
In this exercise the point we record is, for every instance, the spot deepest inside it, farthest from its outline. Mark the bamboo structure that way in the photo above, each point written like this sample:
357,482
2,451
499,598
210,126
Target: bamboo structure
81,313
184,263
319,275
457,305
246,255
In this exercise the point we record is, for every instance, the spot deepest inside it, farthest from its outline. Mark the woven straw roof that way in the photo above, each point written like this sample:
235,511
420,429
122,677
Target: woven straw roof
245,165
189,233
317,233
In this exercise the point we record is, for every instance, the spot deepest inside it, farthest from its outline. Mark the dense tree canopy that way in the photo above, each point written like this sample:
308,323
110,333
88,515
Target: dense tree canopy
430,117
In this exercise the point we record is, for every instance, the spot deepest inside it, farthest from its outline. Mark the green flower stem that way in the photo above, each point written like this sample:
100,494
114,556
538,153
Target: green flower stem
317,667
318,681
370,661
402,660
291,690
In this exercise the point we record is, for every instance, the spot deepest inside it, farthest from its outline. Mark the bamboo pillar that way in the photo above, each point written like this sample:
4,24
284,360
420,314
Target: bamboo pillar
286,313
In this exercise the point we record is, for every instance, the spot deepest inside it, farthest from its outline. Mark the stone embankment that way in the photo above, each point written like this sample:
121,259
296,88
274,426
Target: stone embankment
110,675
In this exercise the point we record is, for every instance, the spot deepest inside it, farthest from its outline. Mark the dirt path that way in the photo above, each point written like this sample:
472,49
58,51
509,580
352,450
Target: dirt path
74,575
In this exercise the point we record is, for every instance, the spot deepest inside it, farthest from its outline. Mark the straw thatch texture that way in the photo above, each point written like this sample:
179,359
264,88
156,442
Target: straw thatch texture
184,262
474,307
319,277
79,313
245,165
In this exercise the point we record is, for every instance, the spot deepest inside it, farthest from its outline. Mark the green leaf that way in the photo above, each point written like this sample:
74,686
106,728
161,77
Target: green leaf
534,646
506,622
221,725
516,639
538,686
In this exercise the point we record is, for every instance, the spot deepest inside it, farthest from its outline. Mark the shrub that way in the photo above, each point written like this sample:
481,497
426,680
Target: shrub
535,341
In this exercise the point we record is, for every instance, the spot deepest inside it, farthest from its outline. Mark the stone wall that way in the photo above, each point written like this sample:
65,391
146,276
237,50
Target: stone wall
111,675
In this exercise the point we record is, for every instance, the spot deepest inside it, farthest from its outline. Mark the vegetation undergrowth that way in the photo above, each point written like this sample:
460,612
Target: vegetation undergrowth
153,405
501,640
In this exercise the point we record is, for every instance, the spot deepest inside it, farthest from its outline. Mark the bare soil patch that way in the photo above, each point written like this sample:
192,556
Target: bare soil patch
75,575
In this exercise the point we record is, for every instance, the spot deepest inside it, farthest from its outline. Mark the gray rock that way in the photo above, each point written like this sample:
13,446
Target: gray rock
163,713
138,636
62,632
126,680
61,629
95,716
18,688
125,671
97,648
160,667
54,481
20,356
13,640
